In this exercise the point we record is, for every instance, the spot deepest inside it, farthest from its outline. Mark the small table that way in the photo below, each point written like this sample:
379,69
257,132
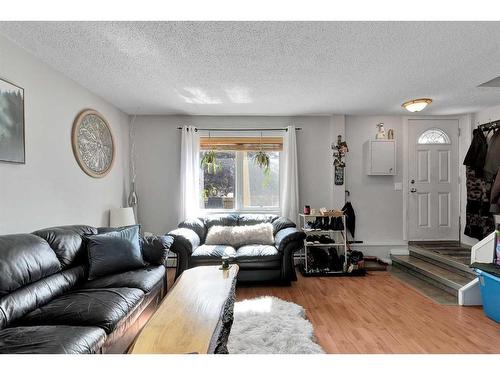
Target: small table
195,316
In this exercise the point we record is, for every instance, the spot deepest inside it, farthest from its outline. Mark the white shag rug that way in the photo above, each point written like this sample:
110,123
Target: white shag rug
269,325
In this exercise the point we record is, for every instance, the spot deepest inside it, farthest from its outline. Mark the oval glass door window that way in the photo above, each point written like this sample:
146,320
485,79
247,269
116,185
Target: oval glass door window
434,136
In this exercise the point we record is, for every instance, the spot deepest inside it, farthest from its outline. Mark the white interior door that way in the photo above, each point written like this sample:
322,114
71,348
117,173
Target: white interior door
433,201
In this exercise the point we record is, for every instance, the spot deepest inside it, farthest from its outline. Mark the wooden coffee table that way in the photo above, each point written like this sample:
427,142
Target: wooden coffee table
195,316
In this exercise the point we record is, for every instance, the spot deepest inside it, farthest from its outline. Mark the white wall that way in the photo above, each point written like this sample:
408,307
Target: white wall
51,189
486,115
378,207
158,161
465,124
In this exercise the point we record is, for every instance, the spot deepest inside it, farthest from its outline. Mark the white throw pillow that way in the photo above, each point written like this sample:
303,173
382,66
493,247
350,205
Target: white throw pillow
219,235
259,234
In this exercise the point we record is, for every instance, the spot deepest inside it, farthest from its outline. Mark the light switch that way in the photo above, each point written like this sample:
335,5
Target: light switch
398,186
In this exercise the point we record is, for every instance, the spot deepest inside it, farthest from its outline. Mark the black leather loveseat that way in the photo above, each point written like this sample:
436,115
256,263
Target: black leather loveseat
256,262
47,305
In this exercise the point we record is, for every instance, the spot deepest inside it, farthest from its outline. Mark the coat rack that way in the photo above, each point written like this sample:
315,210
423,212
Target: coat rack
492,125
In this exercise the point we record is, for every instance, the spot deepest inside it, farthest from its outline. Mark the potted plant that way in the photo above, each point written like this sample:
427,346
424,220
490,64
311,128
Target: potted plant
209,162
261,159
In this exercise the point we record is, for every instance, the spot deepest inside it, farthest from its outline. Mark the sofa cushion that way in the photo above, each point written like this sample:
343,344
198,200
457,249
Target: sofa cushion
67,242
51,340
114,252
103,308
255,257
225,220
23,300
256,251
24,259
144,278
214,251
252,219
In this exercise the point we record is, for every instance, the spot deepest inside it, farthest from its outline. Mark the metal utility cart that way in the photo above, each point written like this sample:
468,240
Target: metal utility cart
340,244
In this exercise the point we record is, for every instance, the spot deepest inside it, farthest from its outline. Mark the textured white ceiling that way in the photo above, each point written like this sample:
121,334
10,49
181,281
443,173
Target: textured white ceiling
273,68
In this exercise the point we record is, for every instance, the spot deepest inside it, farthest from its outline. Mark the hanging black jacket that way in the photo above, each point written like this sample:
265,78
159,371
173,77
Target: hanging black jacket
495,195
492,162
350,217
476,155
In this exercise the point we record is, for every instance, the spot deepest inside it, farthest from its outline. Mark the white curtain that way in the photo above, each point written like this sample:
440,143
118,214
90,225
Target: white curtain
290,177
190,173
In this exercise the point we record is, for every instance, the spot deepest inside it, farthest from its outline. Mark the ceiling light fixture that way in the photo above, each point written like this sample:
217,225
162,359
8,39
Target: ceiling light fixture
416,105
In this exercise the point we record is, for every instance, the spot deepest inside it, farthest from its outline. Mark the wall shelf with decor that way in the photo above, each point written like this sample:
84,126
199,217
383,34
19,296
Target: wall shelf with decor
325,246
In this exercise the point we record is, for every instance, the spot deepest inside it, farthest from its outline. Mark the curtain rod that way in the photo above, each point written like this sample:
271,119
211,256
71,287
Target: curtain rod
240,129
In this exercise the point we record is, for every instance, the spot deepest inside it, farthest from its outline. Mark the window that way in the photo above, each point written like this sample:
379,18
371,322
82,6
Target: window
218,184
260,189
237,182
434,137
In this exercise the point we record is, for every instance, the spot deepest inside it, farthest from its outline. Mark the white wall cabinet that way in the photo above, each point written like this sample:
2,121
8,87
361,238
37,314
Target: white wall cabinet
380,157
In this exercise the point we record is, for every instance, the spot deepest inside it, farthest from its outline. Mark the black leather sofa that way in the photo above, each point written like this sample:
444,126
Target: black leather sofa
47,305
256,262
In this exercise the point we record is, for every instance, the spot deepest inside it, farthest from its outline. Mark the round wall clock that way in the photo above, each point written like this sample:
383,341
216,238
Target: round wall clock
93,143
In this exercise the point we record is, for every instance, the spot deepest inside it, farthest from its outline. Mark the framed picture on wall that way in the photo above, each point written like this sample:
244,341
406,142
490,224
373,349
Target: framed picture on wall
11,123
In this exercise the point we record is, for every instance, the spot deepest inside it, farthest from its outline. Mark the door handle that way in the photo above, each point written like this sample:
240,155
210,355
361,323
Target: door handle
413,190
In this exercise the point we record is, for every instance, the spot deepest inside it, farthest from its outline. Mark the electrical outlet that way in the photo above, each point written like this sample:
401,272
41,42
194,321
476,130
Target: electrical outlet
398,186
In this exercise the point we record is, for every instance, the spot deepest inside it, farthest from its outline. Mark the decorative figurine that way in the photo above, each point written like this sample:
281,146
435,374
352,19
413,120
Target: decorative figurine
390,134
381,132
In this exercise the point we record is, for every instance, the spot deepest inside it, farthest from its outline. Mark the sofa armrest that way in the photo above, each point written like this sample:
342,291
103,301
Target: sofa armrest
155,249
282,223
286,236
288,241
185,242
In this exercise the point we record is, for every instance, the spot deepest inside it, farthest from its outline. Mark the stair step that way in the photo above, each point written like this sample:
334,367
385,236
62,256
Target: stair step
443,261
424,287
440,277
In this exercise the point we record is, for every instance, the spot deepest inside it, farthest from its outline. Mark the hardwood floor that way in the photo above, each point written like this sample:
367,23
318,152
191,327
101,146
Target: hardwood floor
380,314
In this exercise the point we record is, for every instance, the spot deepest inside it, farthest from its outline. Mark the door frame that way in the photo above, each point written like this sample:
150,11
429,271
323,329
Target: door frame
464,127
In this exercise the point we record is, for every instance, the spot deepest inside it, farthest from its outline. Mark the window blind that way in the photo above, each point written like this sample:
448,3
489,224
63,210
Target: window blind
241,143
